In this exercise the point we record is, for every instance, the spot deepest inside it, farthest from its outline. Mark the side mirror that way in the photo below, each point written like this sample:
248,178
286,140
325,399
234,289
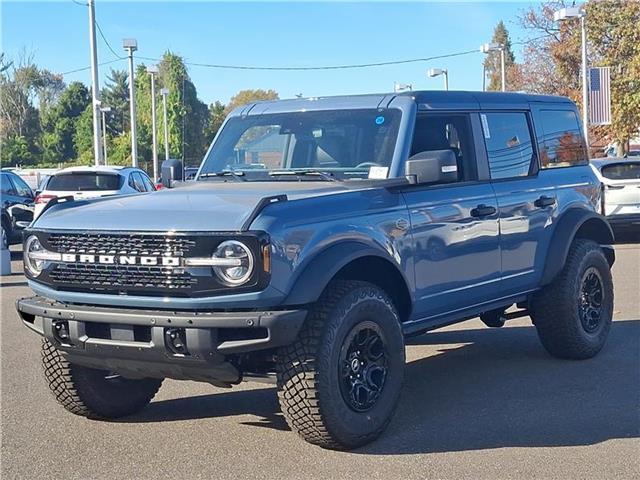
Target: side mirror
171,172
433,166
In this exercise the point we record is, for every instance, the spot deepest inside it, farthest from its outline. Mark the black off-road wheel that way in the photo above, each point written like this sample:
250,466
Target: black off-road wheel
93,393
573,314
339,383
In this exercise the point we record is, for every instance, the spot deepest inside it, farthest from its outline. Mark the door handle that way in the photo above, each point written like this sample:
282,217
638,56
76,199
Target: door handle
483,210
545,201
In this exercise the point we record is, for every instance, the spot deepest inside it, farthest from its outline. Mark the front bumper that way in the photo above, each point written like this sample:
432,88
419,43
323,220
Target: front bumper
136,342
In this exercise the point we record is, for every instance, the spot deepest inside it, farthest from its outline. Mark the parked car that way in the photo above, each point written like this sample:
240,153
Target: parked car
620,178
91,182
300,255
17,206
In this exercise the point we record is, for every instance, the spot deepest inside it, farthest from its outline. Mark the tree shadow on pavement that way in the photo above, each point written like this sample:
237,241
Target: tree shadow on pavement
485,388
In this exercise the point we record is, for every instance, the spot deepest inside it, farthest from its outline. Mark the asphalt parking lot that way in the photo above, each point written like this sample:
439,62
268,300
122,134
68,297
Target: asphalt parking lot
477,403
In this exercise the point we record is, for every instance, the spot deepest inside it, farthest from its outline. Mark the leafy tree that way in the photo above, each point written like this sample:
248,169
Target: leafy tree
248,96
493,61
115,94
217,114
16,150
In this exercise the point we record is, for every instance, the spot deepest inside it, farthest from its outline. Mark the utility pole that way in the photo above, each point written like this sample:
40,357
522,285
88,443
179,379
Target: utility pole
95,86
503,74
104,111
164,92
131,45
152,70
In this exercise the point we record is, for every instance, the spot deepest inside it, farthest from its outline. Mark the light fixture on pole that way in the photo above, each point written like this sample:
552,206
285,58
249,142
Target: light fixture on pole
567,14
436,72
104,111
95,86
402,87
152,70
497,47
165,92
131,45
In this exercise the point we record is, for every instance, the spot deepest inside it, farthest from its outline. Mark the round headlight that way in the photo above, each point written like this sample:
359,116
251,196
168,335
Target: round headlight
240,263
31,246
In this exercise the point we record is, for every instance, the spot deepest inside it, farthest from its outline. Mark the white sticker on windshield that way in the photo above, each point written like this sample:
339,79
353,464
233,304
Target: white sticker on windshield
485,126
378,173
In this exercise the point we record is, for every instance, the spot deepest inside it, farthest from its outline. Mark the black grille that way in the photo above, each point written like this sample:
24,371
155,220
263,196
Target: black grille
169,245
121,277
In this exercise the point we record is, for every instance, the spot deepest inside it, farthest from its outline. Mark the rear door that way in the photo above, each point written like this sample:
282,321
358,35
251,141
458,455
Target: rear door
526,201
622,188
454,226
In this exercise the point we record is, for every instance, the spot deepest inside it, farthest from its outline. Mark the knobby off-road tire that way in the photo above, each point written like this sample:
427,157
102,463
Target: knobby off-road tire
93,393
351,337
563,312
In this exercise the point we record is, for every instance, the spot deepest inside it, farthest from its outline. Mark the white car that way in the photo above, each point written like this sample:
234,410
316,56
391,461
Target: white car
621,182
91,182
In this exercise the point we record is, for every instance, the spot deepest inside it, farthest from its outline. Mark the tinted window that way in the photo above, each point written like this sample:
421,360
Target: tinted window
345,142
561,143
509,144
21,186
7,186
446,132
147,183
79,182
622,171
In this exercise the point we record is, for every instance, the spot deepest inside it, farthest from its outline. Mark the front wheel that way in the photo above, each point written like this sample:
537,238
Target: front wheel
339,383
573,314
94,393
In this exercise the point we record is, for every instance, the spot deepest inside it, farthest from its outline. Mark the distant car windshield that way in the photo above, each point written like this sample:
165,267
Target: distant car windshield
344,143
82,182
622,171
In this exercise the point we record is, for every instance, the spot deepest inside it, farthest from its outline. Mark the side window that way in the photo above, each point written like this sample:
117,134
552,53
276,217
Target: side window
21,186
131,180
146,182
509,144
138,184
446,132
560,139
7,186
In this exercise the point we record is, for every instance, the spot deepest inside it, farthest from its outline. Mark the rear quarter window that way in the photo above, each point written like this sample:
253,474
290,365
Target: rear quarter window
83,182
621,171
560,139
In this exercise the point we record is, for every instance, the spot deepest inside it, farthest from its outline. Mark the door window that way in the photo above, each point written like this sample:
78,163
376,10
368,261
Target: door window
146,182
561,142
138,184
21,187
509,144
7,186
446,132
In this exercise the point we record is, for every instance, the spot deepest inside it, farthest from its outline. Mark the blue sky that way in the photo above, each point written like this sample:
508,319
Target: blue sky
270,34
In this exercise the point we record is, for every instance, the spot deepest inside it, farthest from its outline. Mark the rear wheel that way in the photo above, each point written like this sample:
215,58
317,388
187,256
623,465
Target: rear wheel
94,393
339,383
573,314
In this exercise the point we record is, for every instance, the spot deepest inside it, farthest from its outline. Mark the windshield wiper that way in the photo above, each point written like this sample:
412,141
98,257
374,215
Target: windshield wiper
327,176
224,173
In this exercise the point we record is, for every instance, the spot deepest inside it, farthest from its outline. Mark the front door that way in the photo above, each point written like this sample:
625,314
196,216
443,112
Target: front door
454,226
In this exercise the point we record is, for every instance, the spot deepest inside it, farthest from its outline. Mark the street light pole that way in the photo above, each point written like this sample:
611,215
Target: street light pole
95,86
165,92
502,71
153,70
131,46
104,111
435,72
577,12
494,47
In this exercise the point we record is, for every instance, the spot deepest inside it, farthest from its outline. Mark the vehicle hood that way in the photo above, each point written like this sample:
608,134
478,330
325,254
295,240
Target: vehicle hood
197,206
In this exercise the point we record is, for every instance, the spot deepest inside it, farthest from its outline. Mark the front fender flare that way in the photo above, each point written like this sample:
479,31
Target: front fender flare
316,275
566,231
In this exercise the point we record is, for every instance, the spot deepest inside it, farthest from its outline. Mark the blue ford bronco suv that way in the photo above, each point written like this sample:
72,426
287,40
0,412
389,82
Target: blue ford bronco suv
317,235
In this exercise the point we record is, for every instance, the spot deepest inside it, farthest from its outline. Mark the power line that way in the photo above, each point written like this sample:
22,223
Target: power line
107,42
87,68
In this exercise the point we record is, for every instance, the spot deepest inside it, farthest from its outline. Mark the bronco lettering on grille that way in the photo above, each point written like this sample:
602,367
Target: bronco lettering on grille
121,260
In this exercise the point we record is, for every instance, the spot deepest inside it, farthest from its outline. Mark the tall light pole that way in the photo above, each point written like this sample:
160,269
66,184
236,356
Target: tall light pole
495,47
402,87
131,45
566,14
95,86
152,70
165,92
436,72
104,111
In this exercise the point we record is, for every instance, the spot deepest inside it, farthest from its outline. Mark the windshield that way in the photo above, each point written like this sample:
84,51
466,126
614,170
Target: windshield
80,182
622,171
343,143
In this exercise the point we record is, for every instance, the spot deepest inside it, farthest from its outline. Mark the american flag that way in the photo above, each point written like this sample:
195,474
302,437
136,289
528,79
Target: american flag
600,95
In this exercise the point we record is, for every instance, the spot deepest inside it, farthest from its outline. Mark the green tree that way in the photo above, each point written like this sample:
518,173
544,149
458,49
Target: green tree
115,94
249,96
217,114
493,62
